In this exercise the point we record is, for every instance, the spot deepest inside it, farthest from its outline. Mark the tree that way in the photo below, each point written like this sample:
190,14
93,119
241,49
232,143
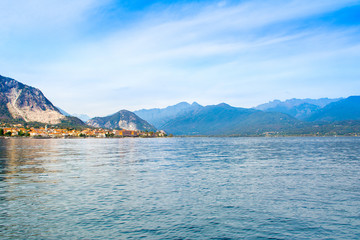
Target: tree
108,135
8,134
21,133
1,132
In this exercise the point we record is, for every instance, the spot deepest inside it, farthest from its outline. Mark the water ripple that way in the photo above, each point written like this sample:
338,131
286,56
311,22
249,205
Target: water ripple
180,188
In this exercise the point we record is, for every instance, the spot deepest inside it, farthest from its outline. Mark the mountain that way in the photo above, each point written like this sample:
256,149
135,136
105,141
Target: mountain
63,112
321,102
224,119
345,109
159,116
121,120
300,112
298,108
20,102
83,117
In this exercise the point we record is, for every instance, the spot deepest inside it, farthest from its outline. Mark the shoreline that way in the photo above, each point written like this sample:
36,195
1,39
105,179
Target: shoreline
183,136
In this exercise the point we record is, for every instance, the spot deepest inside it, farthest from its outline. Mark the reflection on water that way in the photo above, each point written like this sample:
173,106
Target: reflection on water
180,188
21,159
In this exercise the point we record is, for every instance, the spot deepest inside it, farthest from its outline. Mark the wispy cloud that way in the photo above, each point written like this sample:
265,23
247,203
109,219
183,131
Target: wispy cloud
242,53
27,15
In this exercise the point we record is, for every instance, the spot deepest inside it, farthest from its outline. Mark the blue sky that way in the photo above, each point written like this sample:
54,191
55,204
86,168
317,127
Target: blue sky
97,57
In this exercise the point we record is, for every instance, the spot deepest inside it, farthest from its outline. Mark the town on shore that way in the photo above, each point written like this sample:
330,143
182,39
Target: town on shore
19,130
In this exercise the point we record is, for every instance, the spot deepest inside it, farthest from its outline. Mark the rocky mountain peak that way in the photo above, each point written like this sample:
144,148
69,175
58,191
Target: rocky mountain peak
20,101
122,119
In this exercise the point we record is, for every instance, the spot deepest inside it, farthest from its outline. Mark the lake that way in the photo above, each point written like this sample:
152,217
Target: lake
180,188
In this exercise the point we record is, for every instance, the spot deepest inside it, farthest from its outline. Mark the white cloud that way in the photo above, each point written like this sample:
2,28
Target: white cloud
25,15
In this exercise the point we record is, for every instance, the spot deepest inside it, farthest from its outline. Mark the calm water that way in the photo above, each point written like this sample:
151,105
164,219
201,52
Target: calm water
180,188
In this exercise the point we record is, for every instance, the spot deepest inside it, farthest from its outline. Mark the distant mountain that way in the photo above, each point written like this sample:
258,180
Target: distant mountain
63,112
121,120
19,102
345,109
160,116
83,117
300,112
321,102
298,108
223,119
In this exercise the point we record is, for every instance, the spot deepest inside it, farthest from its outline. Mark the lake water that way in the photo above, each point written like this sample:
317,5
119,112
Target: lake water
180,188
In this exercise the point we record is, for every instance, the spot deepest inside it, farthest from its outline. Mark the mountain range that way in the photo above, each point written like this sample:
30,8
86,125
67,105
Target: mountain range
294,116
298,108
344,109
158,117
19,102
223,119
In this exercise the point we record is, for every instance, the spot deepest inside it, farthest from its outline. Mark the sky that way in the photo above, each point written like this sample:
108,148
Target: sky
98,57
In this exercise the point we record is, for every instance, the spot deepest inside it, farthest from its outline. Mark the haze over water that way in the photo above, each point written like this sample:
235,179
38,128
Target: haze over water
180,188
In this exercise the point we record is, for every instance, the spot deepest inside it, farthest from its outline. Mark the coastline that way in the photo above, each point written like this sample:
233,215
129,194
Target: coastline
191,136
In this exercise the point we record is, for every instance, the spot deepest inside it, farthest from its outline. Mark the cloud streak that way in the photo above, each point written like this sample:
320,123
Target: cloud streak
23,15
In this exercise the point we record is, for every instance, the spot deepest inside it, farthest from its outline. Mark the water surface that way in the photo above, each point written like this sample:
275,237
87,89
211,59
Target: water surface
180,188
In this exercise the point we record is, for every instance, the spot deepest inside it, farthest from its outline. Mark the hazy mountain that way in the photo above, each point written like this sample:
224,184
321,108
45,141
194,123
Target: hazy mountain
321,102
223,119
159,116
63,112
83,117
298,108
300,112
21,102
345,109
121,120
